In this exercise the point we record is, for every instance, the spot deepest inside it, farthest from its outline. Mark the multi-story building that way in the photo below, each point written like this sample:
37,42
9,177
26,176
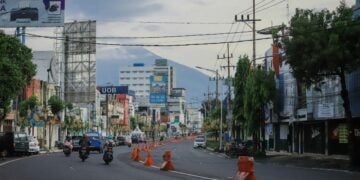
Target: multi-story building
176,108
137,78
194,120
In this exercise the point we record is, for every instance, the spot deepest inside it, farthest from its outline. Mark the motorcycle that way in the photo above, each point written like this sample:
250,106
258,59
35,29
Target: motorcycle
108,154
67,150
83,154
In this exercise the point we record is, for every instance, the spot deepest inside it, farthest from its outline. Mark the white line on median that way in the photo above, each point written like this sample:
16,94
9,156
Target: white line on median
7,162
182,173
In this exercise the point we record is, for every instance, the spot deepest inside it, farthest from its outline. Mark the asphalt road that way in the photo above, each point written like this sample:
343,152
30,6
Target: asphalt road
189,163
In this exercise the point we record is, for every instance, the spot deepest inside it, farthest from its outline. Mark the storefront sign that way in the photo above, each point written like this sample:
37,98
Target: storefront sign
343,134
326,110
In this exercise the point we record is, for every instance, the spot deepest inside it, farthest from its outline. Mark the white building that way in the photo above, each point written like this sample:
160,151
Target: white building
195,120
137,78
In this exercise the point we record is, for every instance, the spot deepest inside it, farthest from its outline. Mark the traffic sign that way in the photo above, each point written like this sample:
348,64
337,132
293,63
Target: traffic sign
113,89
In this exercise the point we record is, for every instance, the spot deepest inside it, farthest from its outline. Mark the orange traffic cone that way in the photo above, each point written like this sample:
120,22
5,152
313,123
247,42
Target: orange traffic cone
133,153
137,155
148,161
246,168
167,165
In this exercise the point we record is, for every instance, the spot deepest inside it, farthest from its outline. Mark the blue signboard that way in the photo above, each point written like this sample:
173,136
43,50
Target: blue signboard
113,89
158,89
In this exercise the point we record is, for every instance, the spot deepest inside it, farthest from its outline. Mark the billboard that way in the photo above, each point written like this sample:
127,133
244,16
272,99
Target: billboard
32,13
158,89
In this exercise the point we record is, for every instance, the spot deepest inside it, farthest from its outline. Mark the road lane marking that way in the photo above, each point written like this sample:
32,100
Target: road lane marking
182,173
8,162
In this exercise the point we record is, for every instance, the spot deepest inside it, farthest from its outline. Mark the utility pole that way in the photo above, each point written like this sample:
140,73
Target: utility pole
253,20
229,113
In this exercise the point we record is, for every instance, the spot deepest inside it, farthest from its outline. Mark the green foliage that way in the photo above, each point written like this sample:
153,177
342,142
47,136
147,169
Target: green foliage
163,128
16,69
25,106
259,89
32,102
132,123
56,104
242,72
322,43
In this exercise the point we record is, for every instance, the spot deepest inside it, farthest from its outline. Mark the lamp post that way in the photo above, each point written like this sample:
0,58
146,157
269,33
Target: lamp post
216,95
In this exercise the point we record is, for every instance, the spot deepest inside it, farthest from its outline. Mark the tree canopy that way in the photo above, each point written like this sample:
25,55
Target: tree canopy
322,43
56,104
259,90
16,69
242,72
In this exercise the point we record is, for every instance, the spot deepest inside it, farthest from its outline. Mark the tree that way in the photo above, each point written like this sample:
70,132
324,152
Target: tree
322,45
16,70
259,90
25,106
56,106
242,72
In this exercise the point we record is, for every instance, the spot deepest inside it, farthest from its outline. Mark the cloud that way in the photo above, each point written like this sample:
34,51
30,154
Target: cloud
111,9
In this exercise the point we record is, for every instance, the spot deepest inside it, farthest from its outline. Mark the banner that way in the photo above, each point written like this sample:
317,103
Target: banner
32,13
158,89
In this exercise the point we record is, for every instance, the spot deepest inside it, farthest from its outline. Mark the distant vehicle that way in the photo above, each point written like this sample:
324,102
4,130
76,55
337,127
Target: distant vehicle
199,142
120,140
110,140
24,13
96,141
34,147
75,142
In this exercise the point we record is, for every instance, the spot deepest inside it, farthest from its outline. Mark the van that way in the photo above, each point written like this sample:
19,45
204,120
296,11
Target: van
14,142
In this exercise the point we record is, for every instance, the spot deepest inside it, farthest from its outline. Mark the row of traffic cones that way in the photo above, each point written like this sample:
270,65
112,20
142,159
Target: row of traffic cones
166,165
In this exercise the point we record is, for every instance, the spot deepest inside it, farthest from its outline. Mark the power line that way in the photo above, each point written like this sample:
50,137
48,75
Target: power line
148,45
249,8
246,12
271,6
164,22
160,37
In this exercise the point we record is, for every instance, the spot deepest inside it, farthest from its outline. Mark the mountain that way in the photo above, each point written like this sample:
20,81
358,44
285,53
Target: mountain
109,62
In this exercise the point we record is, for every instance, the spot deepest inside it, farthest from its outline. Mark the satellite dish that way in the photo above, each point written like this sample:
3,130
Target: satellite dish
54,69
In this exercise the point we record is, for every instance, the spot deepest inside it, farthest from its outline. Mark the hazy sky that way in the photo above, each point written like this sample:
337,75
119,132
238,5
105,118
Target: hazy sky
122,18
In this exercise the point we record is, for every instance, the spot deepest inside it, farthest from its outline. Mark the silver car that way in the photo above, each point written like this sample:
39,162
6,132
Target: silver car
199,142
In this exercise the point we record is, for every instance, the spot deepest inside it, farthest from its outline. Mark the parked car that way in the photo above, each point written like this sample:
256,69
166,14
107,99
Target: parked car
75,142
120,140
24,13
34,147
199,142
14,142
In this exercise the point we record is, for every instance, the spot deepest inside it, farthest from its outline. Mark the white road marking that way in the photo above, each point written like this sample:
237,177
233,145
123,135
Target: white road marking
8,162
182,173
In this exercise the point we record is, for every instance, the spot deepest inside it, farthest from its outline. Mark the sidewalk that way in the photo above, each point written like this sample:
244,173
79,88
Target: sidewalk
317,161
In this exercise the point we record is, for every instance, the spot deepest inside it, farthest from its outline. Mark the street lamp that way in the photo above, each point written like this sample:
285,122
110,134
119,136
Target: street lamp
217,94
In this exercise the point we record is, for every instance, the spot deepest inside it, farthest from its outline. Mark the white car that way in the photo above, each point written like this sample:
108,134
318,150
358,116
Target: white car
34,147
199,142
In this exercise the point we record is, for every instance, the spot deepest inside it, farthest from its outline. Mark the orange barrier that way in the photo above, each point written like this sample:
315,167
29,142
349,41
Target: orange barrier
138,155
148,161
167,164
246,168
133,153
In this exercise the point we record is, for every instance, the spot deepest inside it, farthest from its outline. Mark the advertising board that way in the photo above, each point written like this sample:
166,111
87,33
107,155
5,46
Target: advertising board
32,13
158,89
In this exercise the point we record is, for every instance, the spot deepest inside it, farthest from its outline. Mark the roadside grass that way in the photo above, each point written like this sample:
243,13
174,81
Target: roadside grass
213,144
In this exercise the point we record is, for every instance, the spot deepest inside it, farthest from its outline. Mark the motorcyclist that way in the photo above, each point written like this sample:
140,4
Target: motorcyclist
85,143
68,142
